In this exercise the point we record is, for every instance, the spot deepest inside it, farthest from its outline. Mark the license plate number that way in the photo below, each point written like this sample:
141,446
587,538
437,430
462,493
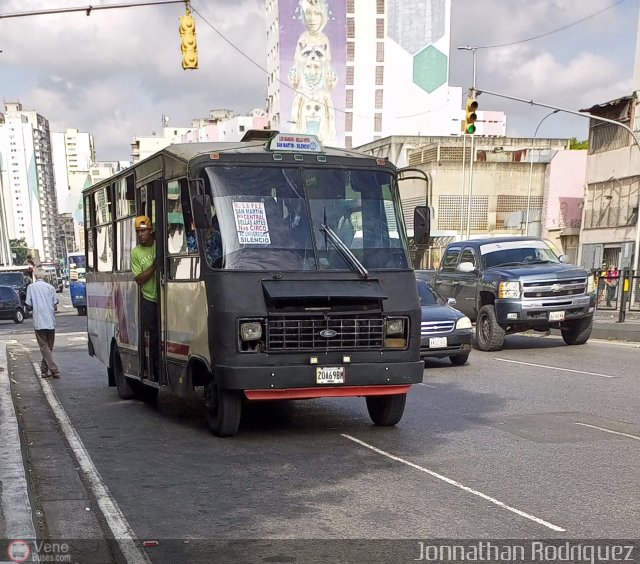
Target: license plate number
437,342
330,375
556,315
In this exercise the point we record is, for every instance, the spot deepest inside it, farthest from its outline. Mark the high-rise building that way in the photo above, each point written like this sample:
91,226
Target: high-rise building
353,71
28,186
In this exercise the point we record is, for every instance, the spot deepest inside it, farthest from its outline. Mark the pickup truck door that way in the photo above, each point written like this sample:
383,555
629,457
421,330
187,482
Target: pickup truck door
445,279
467,284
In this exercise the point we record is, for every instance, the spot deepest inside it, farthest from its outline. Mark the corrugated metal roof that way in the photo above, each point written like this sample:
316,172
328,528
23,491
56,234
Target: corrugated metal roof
608,104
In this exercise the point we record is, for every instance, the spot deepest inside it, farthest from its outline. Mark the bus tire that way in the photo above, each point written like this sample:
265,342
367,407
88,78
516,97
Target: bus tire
386,411
82,310
224,408
123,384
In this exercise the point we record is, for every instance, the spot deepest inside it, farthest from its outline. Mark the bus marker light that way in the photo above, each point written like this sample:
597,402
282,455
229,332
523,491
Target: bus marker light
313,360
214,156
346,359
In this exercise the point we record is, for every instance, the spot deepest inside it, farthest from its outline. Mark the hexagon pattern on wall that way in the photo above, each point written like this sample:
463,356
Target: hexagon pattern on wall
414,24
430,68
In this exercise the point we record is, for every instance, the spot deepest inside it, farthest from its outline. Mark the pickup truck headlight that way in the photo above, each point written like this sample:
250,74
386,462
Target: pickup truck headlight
591,284
395,326
509,290
463,323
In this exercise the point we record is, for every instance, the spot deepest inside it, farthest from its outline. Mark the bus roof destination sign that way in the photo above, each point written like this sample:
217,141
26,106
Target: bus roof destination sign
294,142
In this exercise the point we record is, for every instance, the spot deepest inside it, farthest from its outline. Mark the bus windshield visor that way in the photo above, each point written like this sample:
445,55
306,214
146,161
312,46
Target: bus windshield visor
273,218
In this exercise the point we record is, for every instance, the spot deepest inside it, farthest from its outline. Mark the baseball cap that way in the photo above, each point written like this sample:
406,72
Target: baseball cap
143,222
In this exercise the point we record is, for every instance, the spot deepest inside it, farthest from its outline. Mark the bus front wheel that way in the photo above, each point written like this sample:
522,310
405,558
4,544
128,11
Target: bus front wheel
386,410
224,408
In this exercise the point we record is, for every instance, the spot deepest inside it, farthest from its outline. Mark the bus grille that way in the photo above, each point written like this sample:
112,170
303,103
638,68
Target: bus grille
352,332
555,288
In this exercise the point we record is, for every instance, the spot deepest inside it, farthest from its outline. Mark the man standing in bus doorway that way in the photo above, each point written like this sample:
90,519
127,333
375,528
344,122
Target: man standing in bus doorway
42,299
143,266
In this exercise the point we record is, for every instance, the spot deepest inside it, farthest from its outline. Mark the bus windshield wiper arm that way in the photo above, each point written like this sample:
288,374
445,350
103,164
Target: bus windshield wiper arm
344,250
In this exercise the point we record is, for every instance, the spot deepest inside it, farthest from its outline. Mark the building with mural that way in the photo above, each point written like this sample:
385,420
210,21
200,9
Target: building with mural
353,71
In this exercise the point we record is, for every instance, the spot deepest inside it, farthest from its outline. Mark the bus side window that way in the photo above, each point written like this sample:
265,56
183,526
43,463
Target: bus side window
181,237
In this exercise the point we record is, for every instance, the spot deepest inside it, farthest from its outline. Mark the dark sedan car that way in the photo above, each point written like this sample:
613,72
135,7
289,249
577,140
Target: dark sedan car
10,305
445,331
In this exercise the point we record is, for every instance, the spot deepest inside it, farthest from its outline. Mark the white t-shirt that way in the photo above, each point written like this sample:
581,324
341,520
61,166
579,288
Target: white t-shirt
41,297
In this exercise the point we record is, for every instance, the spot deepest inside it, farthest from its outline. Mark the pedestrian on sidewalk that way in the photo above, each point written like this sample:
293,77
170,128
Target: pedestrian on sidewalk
612,283
43,302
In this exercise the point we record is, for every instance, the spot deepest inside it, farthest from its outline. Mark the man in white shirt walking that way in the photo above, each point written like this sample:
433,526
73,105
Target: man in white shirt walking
41,298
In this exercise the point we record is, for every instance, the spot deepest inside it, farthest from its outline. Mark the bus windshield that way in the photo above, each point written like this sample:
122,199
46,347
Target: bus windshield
78,260
275,218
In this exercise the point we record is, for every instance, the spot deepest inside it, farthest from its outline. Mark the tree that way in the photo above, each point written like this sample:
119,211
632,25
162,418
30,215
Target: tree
19,250
576,145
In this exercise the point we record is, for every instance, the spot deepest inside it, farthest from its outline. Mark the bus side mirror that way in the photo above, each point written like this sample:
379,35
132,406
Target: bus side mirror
421,225
201,207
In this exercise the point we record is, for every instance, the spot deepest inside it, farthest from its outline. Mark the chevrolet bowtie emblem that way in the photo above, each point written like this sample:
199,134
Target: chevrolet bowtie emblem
556,288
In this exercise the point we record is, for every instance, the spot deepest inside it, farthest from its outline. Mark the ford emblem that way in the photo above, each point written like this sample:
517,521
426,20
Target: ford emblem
328,333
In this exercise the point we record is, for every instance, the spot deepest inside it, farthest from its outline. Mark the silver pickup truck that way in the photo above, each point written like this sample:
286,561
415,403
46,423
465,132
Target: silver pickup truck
515,284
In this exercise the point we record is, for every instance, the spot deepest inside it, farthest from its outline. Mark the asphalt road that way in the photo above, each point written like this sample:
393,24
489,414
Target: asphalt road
537,441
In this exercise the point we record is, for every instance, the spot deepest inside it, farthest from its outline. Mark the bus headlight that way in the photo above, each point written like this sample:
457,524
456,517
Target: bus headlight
251,331
463,323
509,290
591,284
395,326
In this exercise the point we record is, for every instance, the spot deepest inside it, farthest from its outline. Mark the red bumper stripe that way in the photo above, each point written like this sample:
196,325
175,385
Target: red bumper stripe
332,392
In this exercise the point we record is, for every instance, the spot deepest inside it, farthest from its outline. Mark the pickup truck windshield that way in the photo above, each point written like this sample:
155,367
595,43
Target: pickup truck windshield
516,253
14,279
272,218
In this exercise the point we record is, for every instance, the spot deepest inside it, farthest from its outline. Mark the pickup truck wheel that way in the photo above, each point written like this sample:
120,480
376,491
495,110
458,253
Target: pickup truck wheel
224,408
18,316
459,359
489,335
386,411
577,331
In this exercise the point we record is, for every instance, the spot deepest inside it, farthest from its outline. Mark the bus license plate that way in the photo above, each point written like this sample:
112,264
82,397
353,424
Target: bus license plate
556,315
330,375
438,343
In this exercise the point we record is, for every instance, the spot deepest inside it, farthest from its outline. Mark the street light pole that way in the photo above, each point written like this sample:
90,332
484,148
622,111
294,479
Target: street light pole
535,134
472,93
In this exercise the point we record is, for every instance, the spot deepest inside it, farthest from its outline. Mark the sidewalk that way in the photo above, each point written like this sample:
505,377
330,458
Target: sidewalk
606,326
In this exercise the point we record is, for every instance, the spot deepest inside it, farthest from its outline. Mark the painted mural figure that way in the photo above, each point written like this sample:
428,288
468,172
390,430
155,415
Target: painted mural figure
313,76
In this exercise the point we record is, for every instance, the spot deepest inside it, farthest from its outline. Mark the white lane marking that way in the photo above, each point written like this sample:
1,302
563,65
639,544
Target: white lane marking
556,368
14,498
122,531
426,385
591,340
610,431
458,485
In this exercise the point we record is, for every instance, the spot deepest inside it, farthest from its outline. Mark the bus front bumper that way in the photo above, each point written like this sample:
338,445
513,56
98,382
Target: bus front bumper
299,382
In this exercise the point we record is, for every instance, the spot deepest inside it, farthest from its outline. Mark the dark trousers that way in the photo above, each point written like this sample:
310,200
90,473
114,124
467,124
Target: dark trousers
45,339
149,324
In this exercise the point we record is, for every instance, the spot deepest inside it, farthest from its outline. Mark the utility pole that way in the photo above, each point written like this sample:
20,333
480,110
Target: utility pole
472,95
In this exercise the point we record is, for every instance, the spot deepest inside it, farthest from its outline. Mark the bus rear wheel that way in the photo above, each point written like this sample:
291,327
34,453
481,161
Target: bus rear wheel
123,384
386,411
224,408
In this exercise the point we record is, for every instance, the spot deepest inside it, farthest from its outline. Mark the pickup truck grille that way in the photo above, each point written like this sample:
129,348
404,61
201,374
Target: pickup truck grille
433,327
301,333
555,288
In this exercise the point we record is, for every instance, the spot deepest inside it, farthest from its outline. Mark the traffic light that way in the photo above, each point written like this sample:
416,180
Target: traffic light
189,46
471,116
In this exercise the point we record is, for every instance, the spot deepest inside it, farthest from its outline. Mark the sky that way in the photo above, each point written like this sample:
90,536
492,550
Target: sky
116,72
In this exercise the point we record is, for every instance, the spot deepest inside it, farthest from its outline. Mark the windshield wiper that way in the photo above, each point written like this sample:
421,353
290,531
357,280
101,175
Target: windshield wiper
344,250
541,261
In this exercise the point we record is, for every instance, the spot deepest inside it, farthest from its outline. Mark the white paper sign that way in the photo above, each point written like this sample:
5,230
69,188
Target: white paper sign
251,223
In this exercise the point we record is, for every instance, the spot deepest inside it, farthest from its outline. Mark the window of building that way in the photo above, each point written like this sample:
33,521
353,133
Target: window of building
380,28
348,121
377,122
351,51
351,31
379,75
379,6
349,79
380,52
379,98
350,6
349,99
348,142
